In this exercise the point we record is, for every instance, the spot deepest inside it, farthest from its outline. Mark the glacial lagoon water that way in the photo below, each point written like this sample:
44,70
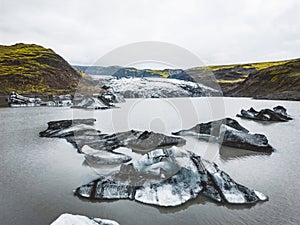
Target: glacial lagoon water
37,175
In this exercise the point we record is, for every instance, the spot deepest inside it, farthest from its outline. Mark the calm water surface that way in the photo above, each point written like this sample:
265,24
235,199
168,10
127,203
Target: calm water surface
38,174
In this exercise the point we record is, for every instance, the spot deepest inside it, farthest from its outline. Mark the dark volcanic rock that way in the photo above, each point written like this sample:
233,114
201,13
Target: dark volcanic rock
169,177
277,114
228,132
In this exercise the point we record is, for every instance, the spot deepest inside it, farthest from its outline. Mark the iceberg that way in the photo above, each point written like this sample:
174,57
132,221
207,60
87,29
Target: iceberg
99,148
278,113
169,177
228,132
69,219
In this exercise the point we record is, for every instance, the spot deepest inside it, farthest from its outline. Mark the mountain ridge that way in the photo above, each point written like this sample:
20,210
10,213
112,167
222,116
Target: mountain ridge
35,70
231,79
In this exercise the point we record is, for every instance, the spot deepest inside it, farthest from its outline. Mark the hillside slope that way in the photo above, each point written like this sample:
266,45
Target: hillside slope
33,69
280,81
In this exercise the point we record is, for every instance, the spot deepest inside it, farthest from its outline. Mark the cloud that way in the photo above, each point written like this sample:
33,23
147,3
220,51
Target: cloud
218,32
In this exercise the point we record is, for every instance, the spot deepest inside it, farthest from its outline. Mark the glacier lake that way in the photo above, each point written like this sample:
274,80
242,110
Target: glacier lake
38,175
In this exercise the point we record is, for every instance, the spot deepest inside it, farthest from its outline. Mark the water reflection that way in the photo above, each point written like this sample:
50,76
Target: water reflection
203,200
228,153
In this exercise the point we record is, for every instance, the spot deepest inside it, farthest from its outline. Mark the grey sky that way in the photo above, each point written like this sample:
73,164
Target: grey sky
217,31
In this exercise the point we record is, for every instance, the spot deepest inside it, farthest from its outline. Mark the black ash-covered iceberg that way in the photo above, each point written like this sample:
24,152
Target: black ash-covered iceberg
16,100
98,147
169,177
165,176
279,113
67,128
92,102
135,140
228,132
69,219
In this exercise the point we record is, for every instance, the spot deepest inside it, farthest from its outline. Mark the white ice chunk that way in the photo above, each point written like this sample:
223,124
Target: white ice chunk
69,219
101,157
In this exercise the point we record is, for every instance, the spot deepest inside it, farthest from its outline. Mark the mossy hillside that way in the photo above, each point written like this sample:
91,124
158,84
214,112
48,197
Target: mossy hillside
29,68
237,72
281,81
229,77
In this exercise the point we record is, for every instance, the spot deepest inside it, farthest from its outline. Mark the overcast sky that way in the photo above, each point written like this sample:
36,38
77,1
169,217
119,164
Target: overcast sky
217,31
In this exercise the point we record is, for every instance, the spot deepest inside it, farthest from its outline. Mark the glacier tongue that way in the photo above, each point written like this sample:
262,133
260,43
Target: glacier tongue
169,177
157,88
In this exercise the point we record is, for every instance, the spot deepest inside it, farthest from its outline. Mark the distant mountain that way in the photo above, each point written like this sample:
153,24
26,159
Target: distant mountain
270,80
98,70
128,72
33,69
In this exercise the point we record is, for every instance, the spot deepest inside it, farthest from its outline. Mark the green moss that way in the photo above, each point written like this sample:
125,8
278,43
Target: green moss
28,68
162,73
213,68
132,70
274,79
231,81
257,66
22,59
